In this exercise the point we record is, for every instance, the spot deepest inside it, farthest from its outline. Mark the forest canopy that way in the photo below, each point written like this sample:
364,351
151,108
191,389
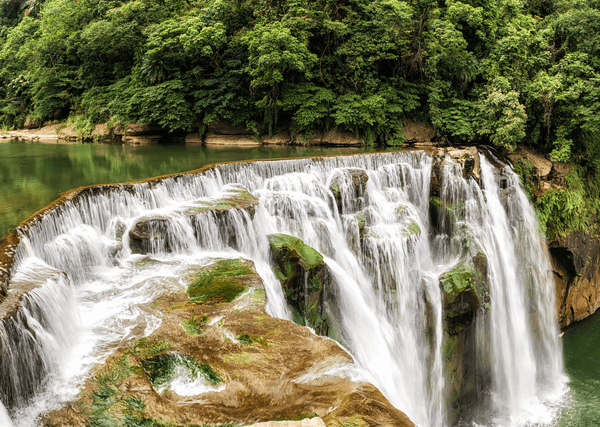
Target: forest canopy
503,72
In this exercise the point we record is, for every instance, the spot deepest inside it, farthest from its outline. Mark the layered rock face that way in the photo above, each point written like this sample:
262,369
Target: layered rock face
576,268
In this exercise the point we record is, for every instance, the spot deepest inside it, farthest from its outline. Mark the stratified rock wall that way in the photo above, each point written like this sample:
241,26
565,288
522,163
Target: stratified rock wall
576,268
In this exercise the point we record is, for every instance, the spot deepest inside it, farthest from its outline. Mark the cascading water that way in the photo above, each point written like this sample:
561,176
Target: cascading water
387,249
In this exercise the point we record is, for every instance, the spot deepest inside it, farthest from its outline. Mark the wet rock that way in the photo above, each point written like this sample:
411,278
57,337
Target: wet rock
246,366
151,233
465,301
348,187
305,280
464,291
145,231
235,198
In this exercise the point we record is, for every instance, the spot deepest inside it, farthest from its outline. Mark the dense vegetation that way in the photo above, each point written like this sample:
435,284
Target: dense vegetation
504,72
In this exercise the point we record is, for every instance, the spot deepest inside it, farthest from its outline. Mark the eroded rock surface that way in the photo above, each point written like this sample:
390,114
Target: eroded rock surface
151,232
465,297
348,187
305,280
245,366
576,269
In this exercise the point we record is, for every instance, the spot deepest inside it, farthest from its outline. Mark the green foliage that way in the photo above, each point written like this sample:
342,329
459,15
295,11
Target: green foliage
565,210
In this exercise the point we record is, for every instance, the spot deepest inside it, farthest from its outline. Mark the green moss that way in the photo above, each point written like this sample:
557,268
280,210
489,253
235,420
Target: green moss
309,257
213,284
251,340
234,199
335,189
412,229
195,325
297,417
162,369
238,358
146,347
458,280
117,370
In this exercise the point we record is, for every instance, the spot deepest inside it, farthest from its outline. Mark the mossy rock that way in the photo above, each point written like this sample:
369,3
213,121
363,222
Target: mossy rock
411,229
285,247
464,291
355,185
162,370
441,216
236,198
146,230
304,278
216,283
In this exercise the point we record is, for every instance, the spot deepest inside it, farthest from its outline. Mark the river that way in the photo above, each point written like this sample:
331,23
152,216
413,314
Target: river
34,174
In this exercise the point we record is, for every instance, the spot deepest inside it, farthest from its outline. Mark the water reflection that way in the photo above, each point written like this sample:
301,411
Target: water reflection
34,174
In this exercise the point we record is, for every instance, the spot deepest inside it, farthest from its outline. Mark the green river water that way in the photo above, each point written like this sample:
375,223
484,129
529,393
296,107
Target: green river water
33,175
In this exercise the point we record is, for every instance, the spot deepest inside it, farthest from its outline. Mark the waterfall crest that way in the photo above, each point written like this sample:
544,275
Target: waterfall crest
441,286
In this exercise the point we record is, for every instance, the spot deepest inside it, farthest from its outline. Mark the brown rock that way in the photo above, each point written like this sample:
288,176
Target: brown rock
418,132
281,138
231,140
576,267
541,166
268,368
135,129
340,138
307,422
141,140
101,130
193,138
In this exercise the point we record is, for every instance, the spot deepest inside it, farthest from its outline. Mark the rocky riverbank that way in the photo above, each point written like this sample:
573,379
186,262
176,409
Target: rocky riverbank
219,133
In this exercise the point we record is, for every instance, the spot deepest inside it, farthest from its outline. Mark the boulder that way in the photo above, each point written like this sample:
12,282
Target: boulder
146,230
541,165
418,132
246,366
576,270
135,129
30,123
348,187
464,291
467,364
305,279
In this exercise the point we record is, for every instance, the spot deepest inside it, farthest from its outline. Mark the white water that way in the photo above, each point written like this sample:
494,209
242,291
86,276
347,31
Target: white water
385,289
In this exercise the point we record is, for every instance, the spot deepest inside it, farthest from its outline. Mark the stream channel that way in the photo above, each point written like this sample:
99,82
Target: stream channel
34,174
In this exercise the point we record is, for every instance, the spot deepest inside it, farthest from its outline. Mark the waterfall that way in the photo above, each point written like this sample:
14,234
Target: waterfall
393,228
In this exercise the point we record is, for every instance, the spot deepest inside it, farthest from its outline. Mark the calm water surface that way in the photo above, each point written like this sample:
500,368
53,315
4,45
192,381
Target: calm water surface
581,345
33,174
